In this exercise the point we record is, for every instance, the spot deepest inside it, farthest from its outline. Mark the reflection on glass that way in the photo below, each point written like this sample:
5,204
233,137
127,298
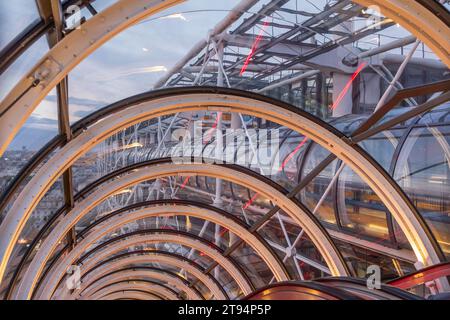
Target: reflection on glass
321,66
19,68
423,171
315,190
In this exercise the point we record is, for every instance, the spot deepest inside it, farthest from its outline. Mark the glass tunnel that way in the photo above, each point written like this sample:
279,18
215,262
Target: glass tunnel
224,150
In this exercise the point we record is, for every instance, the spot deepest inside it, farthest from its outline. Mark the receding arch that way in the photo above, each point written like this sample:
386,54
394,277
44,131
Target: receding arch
309,223
172,279
141,237
151,286
416,17
205,213
134,294
164,258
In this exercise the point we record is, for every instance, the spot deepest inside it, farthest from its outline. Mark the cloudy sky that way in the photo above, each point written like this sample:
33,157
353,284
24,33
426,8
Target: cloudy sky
128,64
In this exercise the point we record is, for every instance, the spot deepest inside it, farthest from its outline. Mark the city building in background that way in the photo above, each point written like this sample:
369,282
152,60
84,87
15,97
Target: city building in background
238,149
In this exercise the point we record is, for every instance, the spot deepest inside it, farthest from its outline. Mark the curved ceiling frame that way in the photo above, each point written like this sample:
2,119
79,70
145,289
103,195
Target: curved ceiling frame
136,238
264,187
260,244
164,295
57,63
169,293
166,276
113,222
166,258
110,258
178,100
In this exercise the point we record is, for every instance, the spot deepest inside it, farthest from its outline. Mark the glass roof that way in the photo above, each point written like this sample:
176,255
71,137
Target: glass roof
334,61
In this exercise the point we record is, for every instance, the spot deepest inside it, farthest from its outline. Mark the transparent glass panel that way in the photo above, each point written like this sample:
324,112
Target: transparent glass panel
253,265
360,209
15,16
359,259
19,68
423,171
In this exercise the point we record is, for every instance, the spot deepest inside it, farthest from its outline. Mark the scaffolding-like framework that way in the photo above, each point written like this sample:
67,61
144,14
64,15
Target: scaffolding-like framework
136,186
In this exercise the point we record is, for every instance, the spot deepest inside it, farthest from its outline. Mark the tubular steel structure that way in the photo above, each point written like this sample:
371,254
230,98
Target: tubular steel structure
172,212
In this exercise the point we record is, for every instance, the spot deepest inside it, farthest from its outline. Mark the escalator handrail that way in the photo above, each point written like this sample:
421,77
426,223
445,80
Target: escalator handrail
422,276
386,288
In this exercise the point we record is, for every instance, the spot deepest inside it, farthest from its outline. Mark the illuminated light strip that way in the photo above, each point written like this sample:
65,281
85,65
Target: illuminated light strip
254,47
292,154
250,202
133,145
443,243
347,86
213,128
185,182
378,228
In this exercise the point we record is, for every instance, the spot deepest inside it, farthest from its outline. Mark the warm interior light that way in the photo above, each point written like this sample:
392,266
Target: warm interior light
132,145
123,192
22,241
254,47
377,227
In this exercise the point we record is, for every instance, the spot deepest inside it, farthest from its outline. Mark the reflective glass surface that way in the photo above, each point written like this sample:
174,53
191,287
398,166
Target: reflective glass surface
333,60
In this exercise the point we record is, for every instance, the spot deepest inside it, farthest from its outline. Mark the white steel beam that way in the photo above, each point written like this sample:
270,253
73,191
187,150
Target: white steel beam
117,264
115,223
321,241
16,218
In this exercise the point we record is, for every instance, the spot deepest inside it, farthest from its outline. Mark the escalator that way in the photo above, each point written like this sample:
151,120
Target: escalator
342,288
339,288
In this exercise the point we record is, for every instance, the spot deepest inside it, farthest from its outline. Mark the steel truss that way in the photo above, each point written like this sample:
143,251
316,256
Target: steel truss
53,69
